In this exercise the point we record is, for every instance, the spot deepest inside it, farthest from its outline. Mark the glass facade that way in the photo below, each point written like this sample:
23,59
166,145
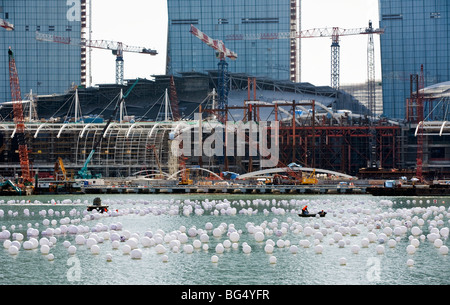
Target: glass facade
416,33
233,22
44,67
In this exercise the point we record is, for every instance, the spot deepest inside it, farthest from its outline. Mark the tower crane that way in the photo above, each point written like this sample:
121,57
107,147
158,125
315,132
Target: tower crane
117,49
5,24
335,33
18,118
222,53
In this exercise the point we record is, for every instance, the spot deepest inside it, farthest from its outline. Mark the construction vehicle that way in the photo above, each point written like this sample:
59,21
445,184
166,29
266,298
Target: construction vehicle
117,49
185,173
59,167
19,119
311,179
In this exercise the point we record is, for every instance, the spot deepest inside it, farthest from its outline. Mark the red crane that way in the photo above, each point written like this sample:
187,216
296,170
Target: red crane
18,118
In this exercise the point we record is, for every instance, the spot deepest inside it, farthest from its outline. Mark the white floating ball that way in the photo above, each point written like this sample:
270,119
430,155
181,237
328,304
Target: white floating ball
45,249
365,242
380,249
7,244
411,249
146,241
293,249
246,249
188,249
164,258
410,262
438,243
126,249
50,257
355,249
108,257
219,248
273,260
90,242
227,243
13,250
80,240
160,249
205,247
342,261
217,232
72,249
234,237
259,236
197,244
95,249
280,243
115,244
204,238
443,250
214,259
391,243
415,242
268,248
136,254
27,245
318,249
416,231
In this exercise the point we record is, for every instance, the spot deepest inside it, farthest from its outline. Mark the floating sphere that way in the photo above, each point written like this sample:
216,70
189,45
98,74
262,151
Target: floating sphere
415,242
318,249
13,250
188,249
410,262
246,249
280,243
132,242
45,249
217,232
365,242
126,249
80,240
160,249
204,238
108,257
355,249
372,237
443,250
28,245
416,231
115,244
342,261
72,249
164,258
197,244
136,254
205,247
437,243
234,237
259,236
7,244
411,249
90,242
380,249
341,243
392,243
214,259
95,249
146,241
273,260
293,249
219,248
268,248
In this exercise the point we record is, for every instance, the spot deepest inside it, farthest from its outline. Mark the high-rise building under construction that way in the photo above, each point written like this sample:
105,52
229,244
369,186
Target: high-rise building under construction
46,68
231,22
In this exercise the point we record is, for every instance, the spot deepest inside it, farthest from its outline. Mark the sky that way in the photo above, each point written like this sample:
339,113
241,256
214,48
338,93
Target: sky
144,23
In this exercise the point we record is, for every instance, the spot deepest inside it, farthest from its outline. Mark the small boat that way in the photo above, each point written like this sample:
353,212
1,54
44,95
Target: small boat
97,205
321,214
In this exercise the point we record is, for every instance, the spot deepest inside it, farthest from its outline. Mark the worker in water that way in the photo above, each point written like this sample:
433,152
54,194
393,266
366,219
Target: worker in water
305,210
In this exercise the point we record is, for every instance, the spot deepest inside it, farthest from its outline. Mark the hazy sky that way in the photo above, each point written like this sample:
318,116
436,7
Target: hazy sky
144,23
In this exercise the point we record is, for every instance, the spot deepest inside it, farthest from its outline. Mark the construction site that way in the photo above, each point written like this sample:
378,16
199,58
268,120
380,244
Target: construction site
121,136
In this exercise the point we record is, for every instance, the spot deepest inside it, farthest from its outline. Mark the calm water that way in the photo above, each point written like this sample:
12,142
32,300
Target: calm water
139,214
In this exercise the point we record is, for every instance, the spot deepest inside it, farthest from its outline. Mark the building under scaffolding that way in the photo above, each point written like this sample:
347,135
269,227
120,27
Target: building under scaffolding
326,130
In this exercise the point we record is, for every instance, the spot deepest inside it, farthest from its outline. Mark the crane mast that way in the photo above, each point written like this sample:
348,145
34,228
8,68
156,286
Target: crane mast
18,118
